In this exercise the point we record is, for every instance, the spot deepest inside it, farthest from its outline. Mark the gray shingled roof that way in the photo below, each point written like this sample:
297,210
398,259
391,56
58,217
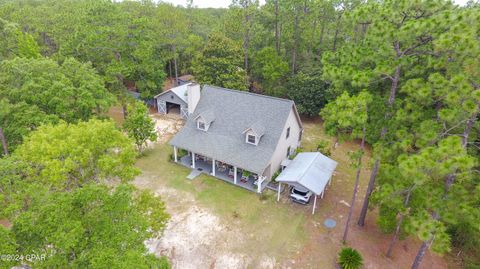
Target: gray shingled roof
258,128
207,116
235,111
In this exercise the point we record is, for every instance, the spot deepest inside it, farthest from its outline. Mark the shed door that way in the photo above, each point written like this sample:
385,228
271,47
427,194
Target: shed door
162,106
184,112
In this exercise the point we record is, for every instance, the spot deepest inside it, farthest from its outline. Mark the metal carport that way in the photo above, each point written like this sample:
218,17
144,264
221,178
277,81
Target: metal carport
310,170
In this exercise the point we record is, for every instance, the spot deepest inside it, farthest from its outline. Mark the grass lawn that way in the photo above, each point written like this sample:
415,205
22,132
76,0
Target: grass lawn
285,231
272,226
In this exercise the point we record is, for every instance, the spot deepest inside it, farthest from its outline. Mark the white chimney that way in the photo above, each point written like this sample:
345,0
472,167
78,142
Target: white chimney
193,96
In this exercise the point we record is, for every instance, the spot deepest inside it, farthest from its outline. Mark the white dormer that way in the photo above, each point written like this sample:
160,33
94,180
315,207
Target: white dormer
251,138
201,125
254,133
204,120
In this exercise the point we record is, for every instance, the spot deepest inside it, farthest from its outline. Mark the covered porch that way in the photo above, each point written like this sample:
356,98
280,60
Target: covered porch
223,171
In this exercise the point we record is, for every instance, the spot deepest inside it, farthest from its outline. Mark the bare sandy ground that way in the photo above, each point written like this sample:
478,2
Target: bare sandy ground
197,238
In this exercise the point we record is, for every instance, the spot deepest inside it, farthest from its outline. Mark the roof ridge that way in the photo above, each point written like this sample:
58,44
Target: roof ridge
310,164
251,93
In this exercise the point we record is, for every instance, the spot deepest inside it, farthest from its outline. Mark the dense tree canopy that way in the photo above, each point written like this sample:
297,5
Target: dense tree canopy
415,63
71,90
221,64
92,227
64,157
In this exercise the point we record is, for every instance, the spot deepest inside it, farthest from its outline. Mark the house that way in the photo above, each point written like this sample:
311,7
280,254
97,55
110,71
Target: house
237,136
176,100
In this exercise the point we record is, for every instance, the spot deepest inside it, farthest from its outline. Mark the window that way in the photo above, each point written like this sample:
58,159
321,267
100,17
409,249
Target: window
288,152
288,132
201,125
251,139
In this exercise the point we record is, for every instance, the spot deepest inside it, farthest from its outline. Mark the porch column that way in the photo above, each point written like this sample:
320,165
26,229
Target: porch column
259,185
314,204
235,175
279,188
193,160
213,167
175,153
322,194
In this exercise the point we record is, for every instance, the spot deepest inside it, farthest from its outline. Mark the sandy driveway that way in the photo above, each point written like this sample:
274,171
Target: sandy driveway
197,238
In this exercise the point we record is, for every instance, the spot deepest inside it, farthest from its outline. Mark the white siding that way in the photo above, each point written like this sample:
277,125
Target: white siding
280,153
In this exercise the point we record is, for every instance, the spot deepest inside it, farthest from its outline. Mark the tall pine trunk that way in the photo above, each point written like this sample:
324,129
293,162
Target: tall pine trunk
4,142
320,43
421,253
277,32
355,188
337,31
448,184
376,166
399,224
175,63
295,42
246,40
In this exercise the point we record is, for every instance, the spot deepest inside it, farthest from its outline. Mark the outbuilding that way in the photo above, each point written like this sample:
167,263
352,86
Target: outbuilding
178,100
309,170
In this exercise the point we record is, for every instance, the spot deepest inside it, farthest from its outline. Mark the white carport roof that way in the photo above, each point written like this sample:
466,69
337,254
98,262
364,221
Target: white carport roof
311,170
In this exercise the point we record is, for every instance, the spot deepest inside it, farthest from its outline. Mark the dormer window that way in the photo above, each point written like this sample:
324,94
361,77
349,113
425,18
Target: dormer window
205,120
201,125
251,139
254,133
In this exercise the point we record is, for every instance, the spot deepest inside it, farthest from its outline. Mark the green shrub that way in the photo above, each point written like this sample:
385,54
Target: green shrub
324,147
275,176
349,258
181,153
297,150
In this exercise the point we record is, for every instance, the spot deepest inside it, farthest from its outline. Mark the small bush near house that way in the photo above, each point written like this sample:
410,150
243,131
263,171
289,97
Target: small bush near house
275,176
182,153
349,258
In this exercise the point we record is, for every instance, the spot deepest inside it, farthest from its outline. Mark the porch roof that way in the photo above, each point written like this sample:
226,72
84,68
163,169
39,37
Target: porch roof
311,170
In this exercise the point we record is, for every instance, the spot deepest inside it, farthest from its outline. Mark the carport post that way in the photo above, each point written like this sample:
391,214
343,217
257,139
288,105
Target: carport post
314,204
279,188
213,167
175,153
193,160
